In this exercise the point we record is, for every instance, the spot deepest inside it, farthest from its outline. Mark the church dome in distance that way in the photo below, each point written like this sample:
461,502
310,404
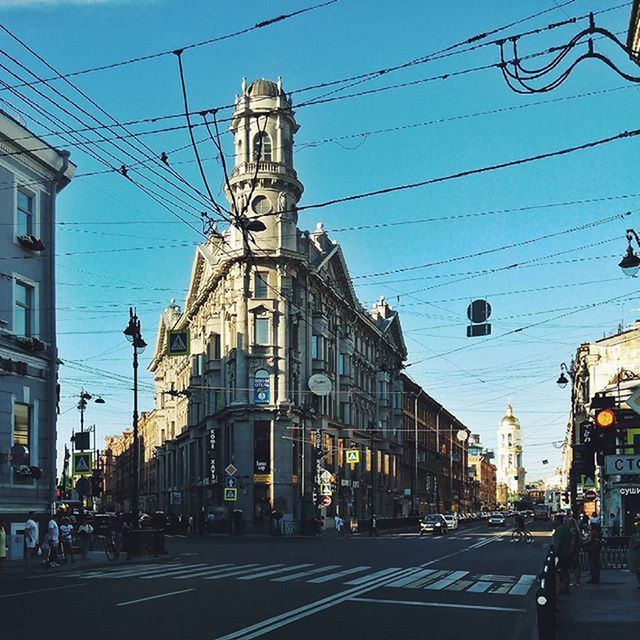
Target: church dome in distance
509,419
263,87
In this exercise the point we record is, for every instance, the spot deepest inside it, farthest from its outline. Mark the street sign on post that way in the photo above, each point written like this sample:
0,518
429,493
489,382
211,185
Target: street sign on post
353,456
82,463
230,482
326,501
230,494
634,401
326,490
230,470
178,343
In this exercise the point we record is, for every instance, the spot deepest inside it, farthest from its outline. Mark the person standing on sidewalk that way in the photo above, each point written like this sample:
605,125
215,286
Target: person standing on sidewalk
339,526
634,545
373,526
53,539
593,545
562,542
615,525
30,538
84,538
66,538
576,544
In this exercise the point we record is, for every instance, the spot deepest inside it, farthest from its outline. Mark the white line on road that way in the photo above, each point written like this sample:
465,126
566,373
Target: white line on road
174,572
26,593
302,574
339,574
522,586
213,571
263,574
446,605
479,587
445,582
161,595
241,571
405,581
373,576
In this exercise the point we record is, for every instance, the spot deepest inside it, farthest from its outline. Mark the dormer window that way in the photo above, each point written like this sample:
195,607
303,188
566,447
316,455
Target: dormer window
262,147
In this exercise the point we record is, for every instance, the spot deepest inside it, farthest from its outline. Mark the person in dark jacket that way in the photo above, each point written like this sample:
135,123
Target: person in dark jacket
373,526
592,546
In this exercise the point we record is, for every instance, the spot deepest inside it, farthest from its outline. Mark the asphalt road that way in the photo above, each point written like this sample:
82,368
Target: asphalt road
471,583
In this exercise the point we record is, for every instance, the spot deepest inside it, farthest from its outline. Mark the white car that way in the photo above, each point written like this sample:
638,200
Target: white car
496,520
452,522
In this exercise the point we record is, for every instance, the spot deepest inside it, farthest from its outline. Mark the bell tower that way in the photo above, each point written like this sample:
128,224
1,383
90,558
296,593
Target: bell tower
263,184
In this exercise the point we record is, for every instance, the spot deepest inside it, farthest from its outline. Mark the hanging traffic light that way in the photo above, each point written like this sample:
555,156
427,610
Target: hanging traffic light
605,443
606,419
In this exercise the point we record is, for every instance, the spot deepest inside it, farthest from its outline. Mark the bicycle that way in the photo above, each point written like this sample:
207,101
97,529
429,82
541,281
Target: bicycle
521,534
111,547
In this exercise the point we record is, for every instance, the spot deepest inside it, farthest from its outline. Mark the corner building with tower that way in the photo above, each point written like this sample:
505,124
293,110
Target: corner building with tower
285,369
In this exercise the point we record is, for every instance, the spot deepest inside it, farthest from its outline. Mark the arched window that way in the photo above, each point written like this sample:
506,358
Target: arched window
262,147
510,439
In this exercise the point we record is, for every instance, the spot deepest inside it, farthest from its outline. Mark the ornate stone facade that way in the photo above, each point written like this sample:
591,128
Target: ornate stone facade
266,310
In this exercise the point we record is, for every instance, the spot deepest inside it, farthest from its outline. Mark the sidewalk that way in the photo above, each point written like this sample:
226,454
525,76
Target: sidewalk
610,609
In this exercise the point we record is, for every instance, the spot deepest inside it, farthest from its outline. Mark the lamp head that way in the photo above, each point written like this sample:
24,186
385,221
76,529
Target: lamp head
630,264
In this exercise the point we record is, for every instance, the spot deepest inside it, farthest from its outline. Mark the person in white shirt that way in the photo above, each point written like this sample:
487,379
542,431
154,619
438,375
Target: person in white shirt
66,537
84,537
30,538
53,538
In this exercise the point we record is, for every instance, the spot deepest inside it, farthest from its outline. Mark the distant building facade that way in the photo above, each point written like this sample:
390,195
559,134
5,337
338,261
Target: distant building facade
511,472
271,323
32,173
483,474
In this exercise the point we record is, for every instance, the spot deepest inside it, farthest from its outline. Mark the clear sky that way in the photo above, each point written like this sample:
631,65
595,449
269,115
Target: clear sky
117,247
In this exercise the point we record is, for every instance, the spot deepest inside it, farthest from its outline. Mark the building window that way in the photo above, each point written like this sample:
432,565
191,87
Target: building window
342,363
261,205
23,311
262,147
261,331
317,351
214,346
22,427
260,284
25,214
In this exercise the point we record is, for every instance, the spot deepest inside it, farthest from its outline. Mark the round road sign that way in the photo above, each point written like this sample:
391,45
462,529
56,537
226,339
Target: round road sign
590,495
326,501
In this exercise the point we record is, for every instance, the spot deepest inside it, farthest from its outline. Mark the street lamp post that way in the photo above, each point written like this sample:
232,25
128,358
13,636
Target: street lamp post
630,263
306,413
133,335
414,492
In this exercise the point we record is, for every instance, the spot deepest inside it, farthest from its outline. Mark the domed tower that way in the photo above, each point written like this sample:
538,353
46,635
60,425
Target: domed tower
510,470
263,183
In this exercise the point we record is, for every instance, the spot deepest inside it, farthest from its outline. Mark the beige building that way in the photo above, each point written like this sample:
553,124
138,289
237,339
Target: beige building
285,368
509,455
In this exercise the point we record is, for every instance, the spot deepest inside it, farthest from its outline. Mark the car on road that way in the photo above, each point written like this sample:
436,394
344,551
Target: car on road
496,520
433,523
452,521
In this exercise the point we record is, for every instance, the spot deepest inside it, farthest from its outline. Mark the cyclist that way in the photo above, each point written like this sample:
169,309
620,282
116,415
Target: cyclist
520,522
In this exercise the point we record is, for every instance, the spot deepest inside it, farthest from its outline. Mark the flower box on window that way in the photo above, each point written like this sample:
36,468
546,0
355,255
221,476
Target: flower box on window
31,242
30,344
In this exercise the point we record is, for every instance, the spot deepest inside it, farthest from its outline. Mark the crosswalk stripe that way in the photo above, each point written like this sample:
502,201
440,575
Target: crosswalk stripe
339,574
479,587
429,579
212,570
185,569
522,586
302,574
264,574
96,573
237,572
459,585
134,571
445,582
403,582
372,576
166,570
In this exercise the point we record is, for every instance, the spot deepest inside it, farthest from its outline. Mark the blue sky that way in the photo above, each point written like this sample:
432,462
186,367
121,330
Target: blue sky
119,248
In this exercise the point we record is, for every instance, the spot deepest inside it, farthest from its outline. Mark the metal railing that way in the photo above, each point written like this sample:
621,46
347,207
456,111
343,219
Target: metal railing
613,554
546,598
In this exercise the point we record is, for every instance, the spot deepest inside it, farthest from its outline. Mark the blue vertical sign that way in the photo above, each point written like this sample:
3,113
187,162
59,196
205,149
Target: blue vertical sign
261,387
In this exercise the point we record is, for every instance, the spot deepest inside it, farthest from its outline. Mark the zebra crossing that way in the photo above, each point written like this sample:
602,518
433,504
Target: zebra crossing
420,578
416,536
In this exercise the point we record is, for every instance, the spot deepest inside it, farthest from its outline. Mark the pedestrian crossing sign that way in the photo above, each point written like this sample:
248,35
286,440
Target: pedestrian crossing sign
231,494
82,463
178,343
353,456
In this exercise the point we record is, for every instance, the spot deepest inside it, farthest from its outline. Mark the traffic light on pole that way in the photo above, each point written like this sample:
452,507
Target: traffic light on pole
605,442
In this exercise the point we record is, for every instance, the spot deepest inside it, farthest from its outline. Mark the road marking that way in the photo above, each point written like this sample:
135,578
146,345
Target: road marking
522,586
263,574
479,587
143,573
174,572
494,578
432,578
445,582
237,572
339,574
374,576
459,585
403,582
446,605
161,595
26,593
302,574
212,571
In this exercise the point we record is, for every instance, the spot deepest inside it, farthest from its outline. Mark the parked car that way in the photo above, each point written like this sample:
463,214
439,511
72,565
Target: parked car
452,521
496,520
433,523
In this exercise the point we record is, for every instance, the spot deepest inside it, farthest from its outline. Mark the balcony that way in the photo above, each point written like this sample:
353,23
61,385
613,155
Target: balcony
263,166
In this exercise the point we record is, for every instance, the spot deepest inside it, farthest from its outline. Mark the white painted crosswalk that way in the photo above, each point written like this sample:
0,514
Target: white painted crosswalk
389,577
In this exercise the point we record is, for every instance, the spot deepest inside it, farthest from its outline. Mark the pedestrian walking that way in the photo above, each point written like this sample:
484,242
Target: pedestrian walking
30,538
84,538
615,525
592,545
576,545
634,548
373,526
53,540
3,544
66,539
562,540
339,526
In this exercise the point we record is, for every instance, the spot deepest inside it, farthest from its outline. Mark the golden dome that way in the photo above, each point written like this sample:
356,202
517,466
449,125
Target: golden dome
509,420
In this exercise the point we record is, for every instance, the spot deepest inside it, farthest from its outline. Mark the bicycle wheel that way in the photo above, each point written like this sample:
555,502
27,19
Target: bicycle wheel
516,536
110,550
528,538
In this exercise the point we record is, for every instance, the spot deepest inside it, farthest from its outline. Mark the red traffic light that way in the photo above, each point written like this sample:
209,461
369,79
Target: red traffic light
606,418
